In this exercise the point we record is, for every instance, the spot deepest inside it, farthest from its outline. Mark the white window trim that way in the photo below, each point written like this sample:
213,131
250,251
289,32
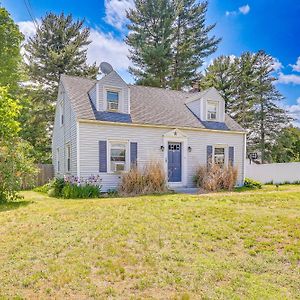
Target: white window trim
127,155
68,145
226,160
108,88
217,109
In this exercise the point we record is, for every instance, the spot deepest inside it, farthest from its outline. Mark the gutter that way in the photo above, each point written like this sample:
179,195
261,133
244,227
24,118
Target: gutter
158,126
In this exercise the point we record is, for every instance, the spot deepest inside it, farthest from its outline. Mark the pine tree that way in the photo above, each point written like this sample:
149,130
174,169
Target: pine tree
58,47
191,42
269,118
168,41
242,109
150,41
221,75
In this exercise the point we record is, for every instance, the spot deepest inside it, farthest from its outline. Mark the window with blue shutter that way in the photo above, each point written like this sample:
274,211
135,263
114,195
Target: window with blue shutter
231,156
133,154
103,156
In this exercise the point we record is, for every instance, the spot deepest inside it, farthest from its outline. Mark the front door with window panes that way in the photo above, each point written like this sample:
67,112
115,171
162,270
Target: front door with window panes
219,156
174,162
117,157
112,100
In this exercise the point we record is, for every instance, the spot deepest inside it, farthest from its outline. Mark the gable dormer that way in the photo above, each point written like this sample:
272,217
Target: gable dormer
208,106
111,94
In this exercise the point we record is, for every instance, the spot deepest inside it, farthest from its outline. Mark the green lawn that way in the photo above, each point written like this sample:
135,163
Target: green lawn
219,246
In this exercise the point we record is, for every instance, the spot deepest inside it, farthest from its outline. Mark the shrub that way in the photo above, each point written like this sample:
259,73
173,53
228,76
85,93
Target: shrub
58,184
44,188
80,191
215,178
150,180
72,187
112,193
250,183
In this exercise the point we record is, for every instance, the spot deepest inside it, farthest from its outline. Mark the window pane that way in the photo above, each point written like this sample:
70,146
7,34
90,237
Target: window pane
219,157
219,150
112,96
117,157
212,107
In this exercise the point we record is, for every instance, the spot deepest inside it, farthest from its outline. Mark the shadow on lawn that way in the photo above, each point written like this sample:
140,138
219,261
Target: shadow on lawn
6,206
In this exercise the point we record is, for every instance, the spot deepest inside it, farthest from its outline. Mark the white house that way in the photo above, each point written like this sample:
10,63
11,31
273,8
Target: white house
103,127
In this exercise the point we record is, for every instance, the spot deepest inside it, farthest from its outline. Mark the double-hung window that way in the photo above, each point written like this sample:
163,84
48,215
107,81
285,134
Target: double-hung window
219,156
118,156
212,110
61,114
68,156
112,100
57,160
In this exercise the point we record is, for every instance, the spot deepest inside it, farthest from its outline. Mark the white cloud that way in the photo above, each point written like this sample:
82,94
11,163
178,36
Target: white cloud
277,65
104,47
27,28
287,79
244,10
294,111
115,12
296,67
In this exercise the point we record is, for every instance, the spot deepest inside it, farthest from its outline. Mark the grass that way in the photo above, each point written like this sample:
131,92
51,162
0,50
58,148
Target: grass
242,245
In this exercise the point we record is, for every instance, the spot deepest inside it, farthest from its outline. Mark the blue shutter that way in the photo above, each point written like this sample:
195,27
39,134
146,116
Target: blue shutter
102,156
209,152
133,154
231,156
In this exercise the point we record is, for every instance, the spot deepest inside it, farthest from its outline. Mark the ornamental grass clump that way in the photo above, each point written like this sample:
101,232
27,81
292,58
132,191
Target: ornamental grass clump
215,178
150,180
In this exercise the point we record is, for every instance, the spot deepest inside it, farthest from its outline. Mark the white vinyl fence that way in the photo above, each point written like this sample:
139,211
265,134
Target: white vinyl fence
277,173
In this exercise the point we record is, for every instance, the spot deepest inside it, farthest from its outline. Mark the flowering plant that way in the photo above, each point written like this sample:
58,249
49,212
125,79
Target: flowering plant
93,180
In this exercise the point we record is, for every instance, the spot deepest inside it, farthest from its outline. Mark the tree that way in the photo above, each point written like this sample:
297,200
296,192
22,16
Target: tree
269,118
168,41
10,57
58,47
251,98
191,42
15,160
221,75
150,41
287,146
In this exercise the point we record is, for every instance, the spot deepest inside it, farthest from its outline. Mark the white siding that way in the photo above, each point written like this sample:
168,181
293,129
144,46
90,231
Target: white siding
113,80
63,135
149,142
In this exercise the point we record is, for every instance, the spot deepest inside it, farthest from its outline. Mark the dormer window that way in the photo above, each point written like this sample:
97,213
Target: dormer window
212,110
112,100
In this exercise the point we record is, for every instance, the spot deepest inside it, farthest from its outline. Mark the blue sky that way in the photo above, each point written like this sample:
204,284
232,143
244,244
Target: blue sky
269,25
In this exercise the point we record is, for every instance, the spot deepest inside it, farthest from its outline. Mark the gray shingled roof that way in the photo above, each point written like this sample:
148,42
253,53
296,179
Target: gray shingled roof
155,106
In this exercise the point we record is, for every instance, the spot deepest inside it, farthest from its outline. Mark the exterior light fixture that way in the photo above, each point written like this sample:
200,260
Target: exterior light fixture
162,148
189,148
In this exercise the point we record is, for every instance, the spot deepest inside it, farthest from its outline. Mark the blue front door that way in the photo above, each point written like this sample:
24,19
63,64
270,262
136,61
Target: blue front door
174,162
